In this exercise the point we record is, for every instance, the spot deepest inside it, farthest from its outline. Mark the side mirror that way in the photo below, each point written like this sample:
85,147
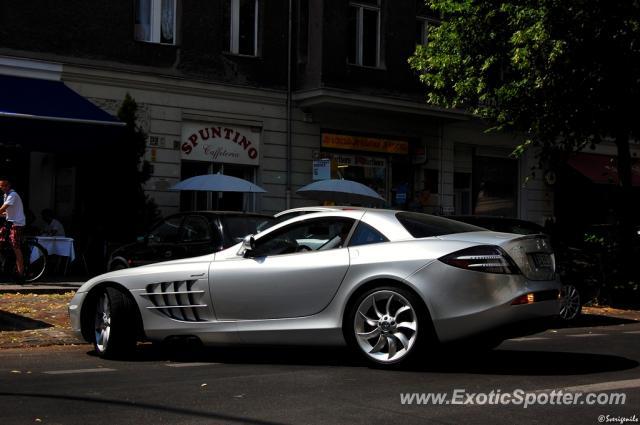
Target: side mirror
248,245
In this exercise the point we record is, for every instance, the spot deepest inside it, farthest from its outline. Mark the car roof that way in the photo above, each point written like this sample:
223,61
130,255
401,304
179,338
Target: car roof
224,213
316,208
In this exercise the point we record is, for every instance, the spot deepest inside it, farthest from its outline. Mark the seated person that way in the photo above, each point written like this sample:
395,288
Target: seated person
53,227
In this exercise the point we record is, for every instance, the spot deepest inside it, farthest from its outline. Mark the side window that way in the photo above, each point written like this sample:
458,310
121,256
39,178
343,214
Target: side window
365,235
195,229
311,235
364,33
244,20
235,228
155,21
166,231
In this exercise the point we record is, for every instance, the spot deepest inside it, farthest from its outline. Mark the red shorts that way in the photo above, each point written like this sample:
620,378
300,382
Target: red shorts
14,235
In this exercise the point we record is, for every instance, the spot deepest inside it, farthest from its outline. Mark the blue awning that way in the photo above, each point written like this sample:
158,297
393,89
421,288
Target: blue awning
47,115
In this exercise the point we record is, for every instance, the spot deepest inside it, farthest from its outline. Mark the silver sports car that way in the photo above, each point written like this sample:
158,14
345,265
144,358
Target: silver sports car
387,283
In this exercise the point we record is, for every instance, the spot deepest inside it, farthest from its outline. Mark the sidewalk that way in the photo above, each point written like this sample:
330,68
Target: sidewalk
48,286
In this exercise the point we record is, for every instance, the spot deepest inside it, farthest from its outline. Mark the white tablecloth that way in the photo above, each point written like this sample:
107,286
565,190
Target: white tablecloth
55,245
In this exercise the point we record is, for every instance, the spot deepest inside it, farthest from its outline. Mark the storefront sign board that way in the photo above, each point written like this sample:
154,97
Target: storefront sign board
220,143
361,143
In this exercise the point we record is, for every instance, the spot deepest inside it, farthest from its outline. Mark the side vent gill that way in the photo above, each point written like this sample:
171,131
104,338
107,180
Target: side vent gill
180,300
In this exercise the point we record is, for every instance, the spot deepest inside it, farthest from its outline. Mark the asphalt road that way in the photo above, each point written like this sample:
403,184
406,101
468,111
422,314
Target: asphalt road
69,385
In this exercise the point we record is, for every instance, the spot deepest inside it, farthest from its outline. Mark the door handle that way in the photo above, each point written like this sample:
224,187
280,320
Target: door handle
167,254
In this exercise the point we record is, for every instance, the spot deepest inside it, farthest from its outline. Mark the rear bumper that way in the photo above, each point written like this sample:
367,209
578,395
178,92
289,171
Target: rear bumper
502,322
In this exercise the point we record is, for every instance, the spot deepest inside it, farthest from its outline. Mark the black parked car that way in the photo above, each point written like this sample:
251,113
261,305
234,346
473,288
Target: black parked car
579,269
189,234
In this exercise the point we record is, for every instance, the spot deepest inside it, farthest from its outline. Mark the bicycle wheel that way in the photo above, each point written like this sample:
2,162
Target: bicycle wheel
35,261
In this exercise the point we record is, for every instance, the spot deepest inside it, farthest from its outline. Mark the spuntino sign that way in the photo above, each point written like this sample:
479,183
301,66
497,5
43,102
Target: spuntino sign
220,143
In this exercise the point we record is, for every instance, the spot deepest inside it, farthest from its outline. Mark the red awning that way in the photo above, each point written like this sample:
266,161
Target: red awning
603,169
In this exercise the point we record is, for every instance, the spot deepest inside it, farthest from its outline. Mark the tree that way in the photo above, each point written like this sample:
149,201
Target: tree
564,73
131,211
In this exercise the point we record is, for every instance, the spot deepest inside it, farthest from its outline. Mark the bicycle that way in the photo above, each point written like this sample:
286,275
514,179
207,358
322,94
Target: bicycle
35,258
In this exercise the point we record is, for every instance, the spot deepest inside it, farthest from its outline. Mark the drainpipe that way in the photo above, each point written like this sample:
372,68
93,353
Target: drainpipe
289,89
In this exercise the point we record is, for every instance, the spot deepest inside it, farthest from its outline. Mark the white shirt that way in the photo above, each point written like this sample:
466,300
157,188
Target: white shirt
15,210
54,228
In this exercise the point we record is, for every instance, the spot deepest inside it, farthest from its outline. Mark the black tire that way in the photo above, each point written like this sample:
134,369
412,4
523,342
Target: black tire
115,324
34,270
378,343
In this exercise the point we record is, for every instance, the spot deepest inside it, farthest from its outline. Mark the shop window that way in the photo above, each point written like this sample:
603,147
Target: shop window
368,170
364,33
243,36
155,21
462,193
495,186
432,180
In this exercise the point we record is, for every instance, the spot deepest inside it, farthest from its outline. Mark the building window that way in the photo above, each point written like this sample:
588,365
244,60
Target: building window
244,27
364,33
156,21
495,186
422,27
426,18
432,180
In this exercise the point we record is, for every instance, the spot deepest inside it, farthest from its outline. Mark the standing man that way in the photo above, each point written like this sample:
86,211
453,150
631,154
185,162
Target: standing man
12,231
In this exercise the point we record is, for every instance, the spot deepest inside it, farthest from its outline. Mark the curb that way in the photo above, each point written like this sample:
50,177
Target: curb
40,288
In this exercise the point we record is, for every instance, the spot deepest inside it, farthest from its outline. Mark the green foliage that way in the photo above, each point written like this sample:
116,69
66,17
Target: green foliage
133,211
565,73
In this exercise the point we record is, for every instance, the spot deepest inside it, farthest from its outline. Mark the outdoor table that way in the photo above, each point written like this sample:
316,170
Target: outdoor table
56,245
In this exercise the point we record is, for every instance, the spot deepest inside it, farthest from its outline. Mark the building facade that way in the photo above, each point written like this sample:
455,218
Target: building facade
251,89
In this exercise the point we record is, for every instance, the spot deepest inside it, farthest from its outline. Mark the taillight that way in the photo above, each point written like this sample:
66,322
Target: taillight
482,258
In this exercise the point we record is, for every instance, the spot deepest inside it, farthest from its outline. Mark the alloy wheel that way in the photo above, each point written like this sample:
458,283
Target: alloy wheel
385,326
571,306
103,323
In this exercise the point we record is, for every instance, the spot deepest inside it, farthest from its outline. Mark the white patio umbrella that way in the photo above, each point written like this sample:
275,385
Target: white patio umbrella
341,192
218,183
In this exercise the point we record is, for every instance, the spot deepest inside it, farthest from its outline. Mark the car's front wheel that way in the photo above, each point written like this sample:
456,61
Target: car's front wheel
114,324
571,306
386,326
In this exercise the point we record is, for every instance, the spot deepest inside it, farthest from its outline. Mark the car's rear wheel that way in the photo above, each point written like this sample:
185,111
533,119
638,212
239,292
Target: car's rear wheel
114,324
571,303
386,326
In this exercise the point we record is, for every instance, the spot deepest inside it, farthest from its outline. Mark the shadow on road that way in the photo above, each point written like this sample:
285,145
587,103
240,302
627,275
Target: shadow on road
592,320
496,362
517,362
14,322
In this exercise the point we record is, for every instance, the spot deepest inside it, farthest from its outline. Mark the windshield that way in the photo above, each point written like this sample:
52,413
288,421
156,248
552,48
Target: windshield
424,225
